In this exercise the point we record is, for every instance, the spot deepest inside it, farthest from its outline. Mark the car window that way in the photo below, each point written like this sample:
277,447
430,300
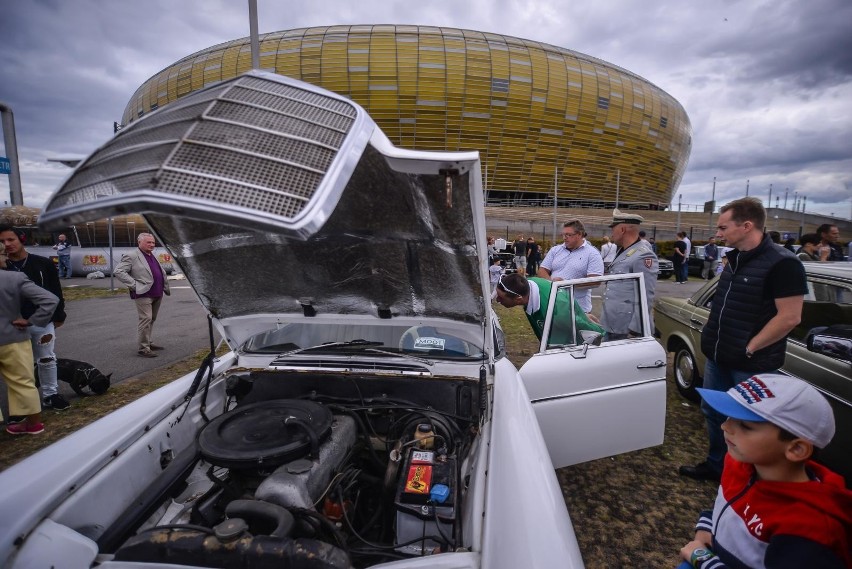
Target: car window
416,340
563,324
570,325
827,303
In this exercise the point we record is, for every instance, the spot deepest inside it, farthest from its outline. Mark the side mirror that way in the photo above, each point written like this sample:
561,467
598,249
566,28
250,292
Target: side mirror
832,341
591,337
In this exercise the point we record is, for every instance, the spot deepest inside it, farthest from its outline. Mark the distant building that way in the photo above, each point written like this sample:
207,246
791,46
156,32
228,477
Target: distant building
529,108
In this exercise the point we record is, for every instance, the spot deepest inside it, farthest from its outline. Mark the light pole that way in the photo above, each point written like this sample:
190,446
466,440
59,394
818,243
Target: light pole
109,237
679,198
712,206
7,119
111,262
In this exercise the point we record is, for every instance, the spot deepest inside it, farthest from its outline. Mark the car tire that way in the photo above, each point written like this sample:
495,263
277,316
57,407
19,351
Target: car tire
686,374
665,276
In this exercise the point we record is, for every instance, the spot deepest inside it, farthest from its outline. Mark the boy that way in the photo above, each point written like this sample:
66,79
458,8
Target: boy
775,507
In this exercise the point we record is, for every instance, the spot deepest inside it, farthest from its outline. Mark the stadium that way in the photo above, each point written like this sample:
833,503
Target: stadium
544,118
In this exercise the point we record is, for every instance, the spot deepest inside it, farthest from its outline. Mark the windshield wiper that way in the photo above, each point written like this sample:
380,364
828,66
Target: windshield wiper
360,343
402,355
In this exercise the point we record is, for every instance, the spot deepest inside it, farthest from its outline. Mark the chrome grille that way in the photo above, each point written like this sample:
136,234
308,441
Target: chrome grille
252,142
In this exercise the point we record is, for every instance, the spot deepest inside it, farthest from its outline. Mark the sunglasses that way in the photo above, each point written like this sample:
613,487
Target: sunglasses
570,234
506,289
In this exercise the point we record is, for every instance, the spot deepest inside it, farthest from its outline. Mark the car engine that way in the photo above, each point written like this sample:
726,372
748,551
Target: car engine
367,471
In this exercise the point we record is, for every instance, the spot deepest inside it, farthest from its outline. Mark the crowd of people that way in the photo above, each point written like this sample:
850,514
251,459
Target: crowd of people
577,258
33,309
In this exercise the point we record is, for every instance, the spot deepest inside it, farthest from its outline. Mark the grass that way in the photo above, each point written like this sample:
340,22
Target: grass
631,510
86,292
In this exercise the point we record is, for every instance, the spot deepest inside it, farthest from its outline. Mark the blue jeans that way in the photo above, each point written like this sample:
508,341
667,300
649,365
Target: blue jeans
720,379
64,266
684,271
43,340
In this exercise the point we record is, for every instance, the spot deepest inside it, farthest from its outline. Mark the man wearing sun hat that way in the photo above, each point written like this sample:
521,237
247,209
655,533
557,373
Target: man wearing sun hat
622,317
775,507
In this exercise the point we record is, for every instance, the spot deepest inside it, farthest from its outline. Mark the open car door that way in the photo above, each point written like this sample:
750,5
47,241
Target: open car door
593,395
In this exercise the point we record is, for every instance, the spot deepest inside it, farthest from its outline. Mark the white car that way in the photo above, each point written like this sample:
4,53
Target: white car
367,414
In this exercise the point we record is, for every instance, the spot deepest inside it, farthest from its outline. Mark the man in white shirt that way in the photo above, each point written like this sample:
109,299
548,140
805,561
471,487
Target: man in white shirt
608,250
575,259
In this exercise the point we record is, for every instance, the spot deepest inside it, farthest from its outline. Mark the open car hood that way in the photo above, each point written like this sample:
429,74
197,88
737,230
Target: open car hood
281,201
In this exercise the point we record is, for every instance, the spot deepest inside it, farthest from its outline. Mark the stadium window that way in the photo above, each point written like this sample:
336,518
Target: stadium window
499,85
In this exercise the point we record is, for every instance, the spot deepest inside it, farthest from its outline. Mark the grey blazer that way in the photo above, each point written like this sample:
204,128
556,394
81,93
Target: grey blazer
133,271
14,287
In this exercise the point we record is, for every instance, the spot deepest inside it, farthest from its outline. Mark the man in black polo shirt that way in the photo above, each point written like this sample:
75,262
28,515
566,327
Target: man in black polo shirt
757,303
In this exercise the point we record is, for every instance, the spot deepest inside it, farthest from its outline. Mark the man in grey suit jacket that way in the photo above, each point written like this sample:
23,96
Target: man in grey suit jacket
16,352
142,273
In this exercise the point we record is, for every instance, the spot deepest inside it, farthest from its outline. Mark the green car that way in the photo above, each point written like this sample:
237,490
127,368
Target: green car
819,349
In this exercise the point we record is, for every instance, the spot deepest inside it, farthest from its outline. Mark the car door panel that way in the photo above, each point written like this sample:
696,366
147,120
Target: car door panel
604,404
593,401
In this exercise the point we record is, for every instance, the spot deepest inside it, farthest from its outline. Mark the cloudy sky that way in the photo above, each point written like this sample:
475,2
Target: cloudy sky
767,84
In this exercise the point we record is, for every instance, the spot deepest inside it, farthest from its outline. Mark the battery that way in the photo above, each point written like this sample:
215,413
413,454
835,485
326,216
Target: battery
416,516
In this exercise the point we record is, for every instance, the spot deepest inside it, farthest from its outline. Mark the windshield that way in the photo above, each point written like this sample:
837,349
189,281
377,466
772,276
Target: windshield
434,342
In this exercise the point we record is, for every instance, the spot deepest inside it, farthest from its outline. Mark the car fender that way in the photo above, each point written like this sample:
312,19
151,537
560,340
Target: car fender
524,503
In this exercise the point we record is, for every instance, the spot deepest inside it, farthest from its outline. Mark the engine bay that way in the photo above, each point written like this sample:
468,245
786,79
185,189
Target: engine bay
315,470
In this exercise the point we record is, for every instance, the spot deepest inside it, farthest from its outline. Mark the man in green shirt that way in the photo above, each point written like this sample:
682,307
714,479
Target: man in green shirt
534,295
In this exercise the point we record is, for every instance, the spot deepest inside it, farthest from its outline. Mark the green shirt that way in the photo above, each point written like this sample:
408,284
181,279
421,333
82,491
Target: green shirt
562,321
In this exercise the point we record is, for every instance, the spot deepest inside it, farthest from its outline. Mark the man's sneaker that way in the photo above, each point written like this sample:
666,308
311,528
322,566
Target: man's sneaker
55,402
156,347
25,428
146,354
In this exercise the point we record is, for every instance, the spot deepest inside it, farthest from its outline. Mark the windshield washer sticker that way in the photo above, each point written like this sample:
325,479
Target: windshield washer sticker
426,343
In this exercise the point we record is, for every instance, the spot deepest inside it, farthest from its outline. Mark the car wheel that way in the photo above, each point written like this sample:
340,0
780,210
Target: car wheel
686,374
664,276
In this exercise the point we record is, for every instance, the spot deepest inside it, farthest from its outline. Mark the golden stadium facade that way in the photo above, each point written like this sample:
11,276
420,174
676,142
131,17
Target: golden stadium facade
531,109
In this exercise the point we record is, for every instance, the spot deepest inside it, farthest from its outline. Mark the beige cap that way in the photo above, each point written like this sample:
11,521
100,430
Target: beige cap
621,217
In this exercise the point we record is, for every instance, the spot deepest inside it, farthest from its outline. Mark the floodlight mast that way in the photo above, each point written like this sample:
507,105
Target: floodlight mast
11,142
255,48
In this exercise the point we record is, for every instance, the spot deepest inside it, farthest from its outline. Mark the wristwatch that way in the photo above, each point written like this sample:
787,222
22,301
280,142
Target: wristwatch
699,556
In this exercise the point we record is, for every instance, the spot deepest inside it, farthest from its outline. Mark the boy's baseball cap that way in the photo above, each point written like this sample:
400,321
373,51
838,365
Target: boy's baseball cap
784,401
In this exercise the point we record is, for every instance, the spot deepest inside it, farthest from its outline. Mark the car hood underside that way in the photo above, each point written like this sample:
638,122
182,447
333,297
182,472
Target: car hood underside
278,198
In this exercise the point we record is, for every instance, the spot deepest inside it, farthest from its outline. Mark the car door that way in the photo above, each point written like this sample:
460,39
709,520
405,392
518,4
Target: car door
828,303
694,315
600,398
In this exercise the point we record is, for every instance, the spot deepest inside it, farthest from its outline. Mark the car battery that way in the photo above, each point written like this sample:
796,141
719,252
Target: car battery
425,503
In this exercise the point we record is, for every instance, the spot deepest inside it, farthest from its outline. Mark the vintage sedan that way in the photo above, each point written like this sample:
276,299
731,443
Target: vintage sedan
366,414
815,349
